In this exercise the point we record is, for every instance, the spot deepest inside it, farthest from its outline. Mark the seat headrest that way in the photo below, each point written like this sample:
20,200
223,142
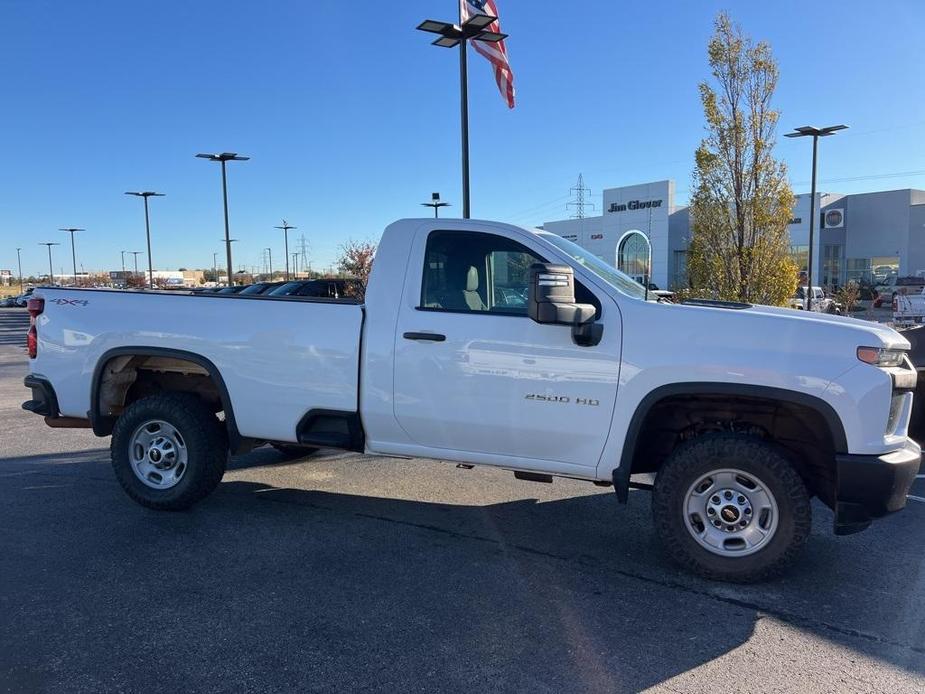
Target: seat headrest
472,280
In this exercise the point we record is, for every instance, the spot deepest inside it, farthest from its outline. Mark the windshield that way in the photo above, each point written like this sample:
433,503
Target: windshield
609,274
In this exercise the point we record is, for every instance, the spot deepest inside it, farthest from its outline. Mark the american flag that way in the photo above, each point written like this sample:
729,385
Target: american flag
496,53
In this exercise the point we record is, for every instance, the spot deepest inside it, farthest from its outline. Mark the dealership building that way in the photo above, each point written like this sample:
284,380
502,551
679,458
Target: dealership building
874,236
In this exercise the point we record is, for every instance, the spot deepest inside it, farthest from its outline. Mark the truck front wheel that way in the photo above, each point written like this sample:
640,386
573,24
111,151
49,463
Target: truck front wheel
731,507
168,451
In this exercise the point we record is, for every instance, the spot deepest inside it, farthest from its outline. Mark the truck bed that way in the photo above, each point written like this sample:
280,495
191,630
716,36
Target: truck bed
279,357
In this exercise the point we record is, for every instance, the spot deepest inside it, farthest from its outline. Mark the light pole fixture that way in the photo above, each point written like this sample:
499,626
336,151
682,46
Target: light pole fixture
223,158
148,194
72,231
51,272
451,35
436,203
270,261
815,133
19,265
286,227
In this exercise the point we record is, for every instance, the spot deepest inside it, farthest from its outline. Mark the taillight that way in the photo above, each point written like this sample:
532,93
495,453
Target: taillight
35,308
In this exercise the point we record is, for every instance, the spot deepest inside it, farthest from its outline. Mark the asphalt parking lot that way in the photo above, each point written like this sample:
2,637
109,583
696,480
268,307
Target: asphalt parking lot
346,573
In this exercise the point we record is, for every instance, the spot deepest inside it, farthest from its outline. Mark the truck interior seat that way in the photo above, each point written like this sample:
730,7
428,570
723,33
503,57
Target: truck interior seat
471,292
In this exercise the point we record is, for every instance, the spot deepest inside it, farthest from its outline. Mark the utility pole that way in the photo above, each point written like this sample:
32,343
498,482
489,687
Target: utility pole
579,203
286,227
303,252
123,263
270,263
295,263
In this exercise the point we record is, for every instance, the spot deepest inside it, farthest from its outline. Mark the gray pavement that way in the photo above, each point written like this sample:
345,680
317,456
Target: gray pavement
348,573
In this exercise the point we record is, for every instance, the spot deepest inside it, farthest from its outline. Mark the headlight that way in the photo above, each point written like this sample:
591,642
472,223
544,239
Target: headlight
881,357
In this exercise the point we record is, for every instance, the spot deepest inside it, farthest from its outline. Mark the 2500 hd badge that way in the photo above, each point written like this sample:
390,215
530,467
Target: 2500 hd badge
561,398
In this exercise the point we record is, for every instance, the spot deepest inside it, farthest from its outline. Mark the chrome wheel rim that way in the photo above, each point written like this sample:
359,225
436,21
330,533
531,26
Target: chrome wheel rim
730,512
157,452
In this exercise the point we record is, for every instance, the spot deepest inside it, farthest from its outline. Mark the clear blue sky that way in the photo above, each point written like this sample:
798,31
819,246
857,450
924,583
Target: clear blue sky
351,117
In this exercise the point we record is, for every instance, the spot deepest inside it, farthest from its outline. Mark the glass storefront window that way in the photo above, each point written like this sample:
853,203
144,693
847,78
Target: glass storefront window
832,265
633,255
881,270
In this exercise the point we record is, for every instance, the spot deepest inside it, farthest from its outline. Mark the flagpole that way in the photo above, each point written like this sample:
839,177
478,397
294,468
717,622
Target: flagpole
464,124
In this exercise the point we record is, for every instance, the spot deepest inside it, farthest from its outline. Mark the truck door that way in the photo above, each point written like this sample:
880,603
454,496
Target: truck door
473,373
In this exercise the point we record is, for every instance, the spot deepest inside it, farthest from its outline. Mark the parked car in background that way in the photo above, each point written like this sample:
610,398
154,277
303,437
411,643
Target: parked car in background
235,289
820,302
260,288
909,309
322,288
7,301
23,298
900,285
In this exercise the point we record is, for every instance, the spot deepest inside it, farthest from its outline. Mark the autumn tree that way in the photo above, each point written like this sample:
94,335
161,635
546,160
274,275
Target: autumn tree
742,203
356,261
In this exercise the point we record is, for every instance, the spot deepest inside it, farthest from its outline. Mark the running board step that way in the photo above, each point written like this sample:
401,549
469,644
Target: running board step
533,477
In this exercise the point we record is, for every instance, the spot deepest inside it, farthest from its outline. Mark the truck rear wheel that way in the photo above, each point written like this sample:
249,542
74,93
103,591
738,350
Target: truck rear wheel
168,451
731,507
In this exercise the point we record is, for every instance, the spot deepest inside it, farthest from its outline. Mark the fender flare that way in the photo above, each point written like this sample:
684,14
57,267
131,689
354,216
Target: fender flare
102,424
621,475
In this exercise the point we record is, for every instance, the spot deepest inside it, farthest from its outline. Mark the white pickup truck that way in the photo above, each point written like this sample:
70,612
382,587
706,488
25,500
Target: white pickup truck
491,344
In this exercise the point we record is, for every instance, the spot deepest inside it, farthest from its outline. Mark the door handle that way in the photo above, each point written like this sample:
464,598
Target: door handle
431,337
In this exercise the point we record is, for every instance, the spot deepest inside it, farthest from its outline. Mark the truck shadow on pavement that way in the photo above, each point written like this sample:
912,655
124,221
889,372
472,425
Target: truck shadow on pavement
351,592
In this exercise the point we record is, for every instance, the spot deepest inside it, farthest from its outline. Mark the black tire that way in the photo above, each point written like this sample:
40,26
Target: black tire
294,449
204,436
770,464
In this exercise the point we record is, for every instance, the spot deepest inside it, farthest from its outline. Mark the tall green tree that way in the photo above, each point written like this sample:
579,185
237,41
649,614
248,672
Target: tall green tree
742,202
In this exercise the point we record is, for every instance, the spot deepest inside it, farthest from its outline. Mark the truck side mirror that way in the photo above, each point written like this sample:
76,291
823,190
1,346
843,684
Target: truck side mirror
551,300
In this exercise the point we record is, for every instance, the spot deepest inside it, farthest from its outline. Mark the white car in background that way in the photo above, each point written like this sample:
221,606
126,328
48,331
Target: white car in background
820,302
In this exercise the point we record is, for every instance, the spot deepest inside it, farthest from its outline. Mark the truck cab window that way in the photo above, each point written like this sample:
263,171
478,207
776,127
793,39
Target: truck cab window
473,272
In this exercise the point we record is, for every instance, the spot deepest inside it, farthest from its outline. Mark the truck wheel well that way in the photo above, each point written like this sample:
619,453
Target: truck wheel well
126,375
802,430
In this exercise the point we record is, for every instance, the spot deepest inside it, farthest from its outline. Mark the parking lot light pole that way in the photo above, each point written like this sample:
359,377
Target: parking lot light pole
815,133
72,231
19,265
285,228
51,272
223,158
270,261
228,242
136,254
436,203
452,35
123,263
148,194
